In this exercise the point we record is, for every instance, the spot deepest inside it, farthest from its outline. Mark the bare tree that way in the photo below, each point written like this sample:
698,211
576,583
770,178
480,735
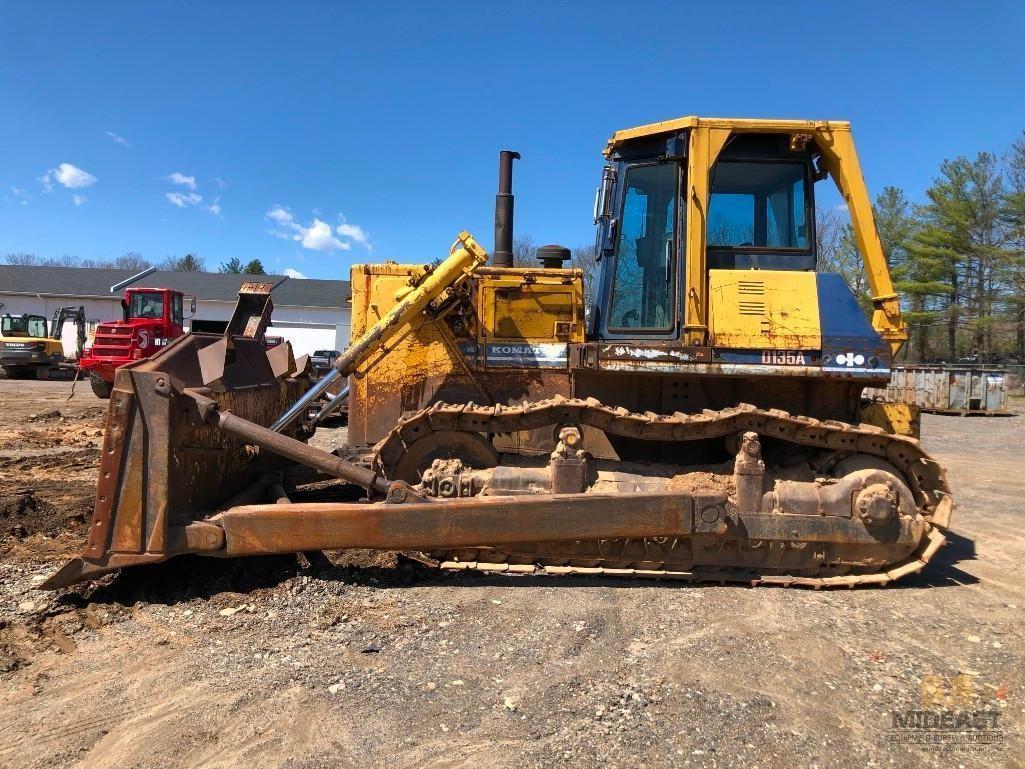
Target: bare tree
187,263
22,259
524,251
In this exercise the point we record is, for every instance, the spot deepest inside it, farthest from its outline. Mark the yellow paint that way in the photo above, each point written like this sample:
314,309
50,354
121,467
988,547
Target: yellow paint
895,418
530,305
423,357
707,137
705,145
749,125
763,310
51,347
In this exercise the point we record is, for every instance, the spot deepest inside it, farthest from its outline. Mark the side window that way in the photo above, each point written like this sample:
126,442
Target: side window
177,316
758,205
642,291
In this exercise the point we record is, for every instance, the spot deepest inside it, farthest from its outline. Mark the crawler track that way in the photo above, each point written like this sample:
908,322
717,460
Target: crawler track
673,559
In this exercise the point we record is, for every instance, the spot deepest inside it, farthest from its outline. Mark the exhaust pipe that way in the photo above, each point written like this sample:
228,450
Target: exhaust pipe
503,256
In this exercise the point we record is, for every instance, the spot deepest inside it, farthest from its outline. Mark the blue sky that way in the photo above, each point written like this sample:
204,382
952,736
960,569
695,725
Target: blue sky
316,135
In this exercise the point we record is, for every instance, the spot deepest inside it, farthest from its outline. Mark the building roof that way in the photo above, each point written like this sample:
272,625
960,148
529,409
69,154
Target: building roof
212,286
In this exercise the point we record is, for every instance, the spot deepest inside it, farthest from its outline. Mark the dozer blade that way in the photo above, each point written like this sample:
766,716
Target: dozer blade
161,465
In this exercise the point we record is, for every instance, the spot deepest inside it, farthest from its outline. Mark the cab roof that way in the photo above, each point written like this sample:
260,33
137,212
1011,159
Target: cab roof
741,125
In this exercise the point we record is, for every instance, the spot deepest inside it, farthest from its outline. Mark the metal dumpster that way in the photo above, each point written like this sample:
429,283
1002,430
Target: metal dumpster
947,389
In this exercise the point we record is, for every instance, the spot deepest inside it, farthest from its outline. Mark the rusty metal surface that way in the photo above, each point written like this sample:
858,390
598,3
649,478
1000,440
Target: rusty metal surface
252,312
814,561
161,466
284,446
451,523
947,389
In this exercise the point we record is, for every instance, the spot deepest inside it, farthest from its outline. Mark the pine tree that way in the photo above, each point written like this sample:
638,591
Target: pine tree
1014,217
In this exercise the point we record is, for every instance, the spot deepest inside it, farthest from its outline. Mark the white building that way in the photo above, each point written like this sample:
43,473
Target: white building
311,314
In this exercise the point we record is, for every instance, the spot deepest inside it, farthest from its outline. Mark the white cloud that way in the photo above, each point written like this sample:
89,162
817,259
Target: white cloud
119,139
221,184
68,176
281,216
183,199
21,195
182,180
294,274
79,199
215,207
318,235
355,233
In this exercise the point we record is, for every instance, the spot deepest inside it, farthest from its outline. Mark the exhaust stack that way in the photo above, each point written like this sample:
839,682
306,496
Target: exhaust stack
503,256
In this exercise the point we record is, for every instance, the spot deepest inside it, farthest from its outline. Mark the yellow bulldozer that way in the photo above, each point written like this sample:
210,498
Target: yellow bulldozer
699,419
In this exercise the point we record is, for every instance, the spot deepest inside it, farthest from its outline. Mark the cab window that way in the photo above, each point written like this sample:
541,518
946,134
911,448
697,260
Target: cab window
177,314
758,205
642,291
25,325
146,304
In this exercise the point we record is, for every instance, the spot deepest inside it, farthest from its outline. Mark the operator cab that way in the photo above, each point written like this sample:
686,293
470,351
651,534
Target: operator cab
154,304
760,216
32,326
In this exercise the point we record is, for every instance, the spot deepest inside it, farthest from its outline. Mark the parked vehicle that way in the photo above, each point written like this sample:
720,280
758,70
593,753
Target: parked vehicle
152,318
705,425
30,348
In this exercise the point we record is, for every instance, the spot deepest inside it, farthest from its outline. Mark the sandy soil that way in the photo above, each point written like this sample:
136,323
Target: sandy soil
367,660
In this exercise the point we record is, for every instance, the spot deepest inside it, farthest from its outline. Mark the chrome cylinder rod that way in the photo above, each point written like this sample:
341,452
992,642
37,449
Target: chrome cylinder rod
333,404
308,397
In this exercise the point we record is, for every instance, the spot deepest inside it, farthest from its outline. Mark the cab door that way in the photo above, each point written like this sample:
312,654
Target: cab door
642,277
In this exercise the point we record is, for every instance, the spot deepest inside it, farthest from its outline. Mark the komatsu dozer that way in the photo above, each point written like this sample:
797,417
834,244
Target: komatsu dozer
700,417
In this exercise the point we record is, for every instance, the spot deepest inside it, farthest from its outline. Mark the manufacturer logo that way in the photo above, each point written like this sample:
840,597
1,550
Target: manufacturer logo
850,359
527,355
143,338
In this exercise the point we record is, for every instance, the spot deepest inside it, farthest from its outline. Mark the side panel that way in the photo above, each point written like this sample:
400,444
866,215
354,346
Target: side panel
509,346
422,367
764,310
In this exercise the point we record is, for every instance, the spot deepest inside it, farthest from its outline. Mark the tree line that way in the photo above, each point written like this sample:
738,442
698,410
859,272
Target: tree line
135,261
957,259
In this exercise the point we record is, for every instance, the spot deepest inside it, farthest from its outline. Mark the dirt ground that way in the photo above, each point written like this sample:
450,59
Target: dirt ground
372,660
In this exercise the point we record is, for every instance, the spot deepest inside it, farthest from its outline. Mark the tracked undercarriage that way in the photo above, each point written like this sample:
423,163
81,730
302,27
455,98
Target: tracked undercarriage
803,502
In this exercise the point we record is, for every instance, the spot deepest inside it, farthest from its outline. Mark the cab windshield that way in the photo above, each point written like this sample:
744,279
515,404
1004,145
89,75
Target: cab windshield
146,304
24,325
